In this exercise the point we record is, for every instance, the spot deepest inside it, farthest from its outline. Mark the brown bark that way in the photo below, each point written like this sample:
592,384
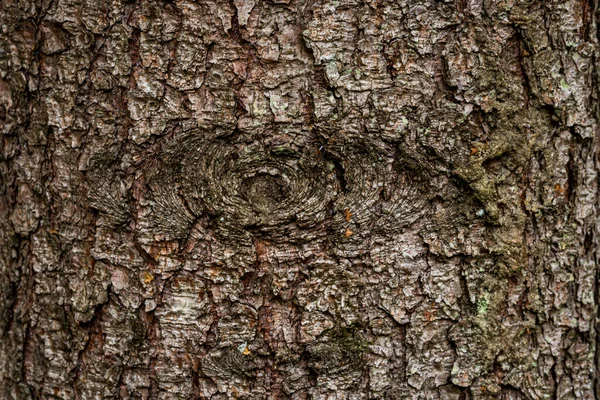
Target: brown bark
299,199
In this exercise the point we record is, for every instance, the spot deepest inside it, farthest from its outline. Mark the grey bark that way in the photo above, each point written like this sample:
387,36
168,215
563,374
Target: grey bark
300,199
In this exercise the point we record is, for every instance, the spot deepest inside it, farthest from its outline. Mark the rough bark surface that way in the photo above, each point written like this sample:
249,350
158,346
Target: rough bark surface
301,199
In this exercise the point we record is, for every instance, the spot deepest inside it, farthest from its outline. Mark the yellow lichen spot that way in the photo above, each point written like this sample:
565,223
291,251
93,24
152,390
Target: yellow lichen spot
348,215
243,348
148,278
348,233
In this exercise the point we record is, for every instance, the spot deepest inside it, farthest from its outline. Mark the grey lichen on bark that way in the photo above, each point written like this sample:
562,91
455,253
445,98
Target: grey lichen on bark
299,199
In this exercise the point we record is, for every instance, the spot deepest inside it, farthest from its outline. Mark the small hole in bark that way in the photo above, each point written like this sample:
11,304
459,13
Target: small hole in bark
493,166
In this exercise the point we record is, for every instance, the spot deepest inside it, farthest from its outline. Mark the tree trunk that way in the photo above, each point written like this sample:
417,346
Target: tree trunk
300,199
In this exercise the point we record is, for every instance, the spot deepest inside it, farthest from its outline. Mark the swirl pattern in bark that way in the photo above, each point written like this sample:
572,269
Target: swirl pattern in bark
281,193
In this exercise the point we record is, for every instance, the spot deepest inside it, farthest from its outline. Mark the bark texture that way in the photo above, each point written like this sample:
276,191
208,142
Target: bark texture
301,199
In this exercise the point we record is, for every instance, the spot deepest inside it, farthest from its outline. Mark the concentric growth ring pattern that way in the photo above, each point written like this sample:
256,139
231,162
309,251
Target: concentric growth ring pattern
281,193
278,193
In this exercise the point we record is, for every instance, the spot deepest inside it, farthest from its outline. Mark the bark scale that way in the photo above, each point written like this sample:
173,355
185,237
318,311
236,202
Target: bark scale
299,199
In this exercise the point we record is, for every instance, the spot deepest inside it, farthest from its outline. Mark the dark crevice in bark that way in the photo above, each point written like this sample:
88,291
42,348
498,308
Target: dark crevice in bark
339,172
28,355
522,51
571,175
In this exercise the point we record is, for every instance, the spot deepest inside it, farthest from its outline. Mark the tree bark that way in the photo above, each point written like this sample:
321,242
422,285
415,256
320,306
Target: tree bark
300,199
